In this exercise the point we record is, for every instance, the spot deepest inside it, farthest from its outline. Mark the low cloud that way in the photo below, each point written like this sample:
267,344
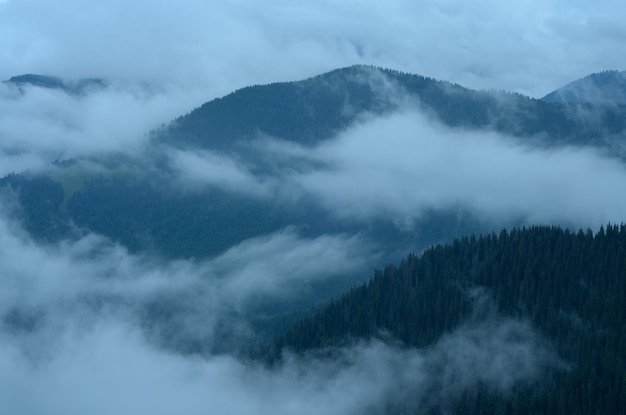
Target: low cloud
69,285
403,165
13,162
39,125
200,169
282,264
86,327
111,369
534,47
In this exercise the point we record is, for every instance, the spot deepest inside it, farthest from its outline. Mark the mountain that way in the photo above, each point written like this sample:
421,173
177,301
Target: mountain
146,209
315,109
604,88
144,202
78,87
569,285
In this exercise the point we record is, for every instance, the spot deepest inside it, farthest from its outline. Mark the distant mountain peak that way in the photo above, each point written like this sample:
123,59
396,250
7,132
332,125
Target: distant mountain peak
606,87
43,81
77,87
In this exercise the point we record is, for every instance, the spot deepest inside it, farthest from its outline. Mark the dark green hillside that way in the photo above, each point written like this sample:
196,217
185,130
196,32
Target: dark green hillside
152,213
35,202
306,111
537,121
317,108
572,287
608,87
142,215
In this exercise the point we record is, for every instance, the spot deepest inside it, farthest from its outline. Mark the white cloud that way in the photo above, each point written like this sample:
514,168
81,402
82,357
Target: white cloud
111,369
530,47
61,287
42,125
403,165
282,264
74,337
199,169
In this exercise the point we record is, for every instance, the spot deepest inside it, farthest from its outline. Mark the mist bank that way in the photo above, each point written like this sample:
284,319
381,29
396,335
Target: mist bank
111,369
87,326
402,179
402,166
195,306
47,119
40,125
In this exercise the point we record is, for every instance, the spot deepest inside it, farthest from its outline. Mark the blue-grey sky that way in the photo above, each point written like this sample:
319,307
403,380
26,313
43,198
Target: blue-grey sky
530,47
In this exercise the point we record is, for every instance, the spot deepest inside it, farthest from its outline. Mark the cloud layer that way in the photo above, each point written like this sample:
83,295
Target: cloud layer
111,370
54,288
164,59
532,47
86,327
70,343
40,125
402,166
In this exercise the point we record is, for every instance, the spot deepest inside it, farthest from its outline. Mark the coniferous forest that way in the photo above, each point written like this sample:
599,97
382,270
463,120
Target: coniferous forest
570,285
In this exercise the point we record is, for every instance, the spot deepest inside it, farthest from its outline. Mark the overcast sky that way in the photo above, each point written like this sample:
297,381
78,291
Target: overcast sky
531,47
166,57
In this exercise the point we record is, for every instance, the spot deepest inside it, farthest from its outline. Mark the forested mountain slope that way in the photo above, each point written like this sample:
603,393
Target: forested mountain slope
270,187
265,161
315,109
570,285
608,88
308,113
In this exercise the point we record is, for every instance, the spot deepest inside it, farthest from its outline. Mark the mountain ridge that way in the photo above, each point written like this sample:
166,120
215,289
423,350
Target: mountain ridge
561,291
604,88
308,112
77,87
321,106
142,204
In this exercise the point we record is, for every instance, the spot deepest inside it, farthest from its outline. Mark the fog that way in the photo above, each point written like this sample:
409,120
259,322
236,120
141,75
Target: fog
165,59
532,47
112,370
404,165
71,340
85,279
162,60
197,170
39,125
87,327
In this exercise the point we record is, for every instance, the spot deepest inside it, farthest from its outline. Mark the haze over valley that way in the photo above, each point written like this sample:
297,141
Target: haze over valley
286,209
